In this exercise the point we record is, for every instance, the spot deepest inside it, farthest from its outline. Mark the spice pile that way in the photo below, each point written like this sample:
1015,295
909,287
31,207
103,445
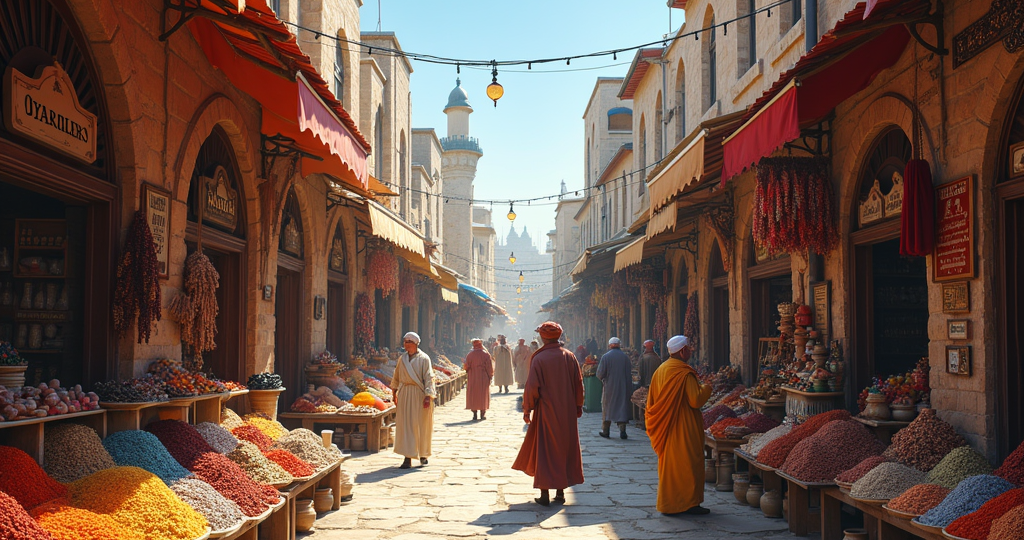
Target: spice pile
715,414
138,501
959,464
755,446
759,423
1008,527
136,448
836,447
924,442
220,439
229,419
886,481
919,499
181,440
852,475
774,454
270,427
726,428
295,466
249,433
141,390
228,479
22,478
966,498
73,451
65,522
1012,468
977,524
16,524
220,513
265,381
308,447
257,466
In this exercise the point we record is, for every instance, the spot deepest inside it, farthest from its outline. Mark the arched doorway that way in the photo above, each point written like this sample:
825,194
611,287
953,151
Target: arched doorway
718,320
1010,276
58,218
337,294
288,298
889,291
771,283
215,194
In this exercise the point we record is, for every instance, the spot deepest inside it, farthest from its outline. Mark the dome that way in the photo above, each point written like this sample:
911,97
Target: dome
458,97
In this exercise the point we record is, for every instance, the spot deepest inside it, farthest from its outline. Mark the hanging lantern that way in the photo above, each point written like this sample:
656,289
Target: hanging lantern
511,213
521,278
519,290
494,90
512,258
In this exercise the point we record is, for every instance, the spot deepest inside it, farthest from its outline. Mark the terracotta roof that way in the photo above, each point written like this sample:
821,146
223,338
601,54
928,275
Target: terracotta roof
637,70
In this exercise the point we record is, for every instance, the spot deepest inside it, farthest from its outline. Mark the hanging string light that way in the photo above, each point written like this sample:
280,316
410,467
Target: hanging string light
512,257
511,213
521,278
519,290
494,90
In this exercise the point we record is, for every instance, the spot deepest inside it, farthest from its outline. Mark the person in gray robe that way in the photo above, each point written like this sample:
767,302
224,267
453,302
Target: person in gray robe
616,372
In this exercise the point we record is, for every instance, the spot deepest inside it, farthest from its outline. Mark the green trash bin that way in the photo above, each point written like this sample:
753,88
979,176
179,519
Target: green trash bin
592,389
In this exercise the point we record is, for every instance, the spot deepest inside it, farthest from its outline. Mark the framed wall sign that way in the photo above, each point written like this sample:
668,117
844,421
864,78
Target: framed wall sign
954,231
1017,160
821,296
958,329
958,360
956,297
319,306
156,206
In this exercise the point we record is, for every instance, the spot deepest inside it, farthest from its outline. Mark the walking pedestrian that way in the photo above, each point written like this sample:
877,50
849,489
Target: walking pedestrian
581,354
554,395
414,391
479,368
676,429
521,363
648,363
534,347
616,374
503,375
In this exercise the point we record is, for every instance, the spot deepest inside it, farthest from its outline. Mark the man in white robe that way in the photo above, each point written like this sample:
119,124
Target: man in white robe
413,387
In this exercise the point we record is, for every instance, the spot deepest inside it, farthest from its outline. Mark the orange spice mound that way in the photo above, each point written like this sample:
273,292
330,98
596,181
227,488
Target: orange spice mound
776,452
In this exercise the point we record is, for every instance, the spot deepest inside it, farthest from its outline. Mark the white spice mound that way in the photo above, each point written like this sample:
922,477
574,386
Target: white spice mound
755,445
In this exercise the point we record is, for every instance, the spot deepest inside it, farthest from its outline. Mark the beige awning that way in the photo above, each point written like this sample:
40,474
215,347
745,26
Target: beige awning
686,168
389,227
446,279
449,295
581,265
630,254
661,221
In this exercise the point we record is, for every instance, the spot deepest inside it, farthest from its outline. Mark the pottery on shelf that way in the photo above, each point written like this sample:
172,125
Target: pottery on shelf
265,401
876,407
903,413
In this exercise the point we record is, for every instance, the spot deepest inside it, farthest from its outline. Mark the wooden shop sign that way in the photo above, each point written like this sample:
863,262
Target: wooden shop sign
220,205
954,232
46,109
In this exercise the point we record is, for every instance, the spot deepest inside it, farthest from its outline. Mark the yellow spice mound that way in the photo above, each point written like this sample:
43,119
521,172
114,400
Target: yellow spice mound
65,522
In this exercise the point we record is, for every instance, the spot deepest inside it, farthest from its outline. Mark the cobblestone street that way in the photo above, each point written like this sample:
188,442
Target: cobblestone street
468,490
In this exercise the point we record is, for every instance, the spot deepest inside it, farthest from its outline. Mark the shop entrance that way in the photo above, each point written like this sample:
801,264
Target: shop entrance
287,363
719,303
226,361
771,284
337,317
382,330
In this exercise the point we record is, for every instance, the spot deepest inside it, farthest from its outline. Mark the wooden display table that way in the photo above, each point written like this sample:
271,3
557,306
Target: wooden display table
806,404
28,435
805,501
193,410
714,448
881,525
329,477
883,429
775,409
371,423
769,475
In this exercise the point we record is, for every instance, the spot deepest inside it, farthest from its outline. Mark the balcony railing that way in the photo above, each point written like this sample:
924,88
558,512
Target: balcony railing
461,142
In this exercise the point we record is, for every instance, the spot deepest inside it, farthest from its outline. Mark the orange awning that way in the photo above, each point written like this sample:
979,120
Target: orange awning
261,57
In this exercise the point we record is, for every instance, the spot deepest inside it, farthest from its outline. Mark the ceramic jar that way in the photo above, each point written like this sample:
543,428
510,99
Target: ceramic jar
323,500
305,515
903,413
771,503
726,467
710,471
754,493
855,534
876,407
740,483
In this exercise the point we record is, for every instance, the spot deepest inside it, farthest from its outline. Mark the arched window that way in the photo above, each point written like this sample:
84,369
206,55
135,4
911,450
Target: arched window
746,38
620,119
680,110
659,142
710,61
339,70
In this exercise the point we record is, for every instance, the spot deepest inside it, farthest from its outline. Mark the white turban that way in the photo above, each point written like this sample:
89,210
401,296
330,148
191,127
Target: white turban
613,341
677,343
412,336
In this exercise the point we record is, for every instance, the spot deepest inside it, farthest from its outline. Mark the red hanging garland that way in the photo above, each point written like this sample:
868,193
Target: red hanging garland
137,294
382,270
691,326
794,210
407,289
366,320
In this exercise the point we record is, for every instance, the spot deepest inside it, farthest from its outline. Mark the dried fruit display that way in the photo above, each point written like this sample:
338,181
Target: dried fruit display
924,442
366,319
265,381
978,524
407,289
691,322
47,399
137,293
145,389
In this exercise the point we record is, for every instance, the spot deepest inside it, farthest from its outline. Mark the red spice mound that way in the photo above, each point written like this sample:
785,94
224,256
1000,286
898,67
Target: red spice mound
919,499
16,524
295,466
776,452
852,475
1009,527
835,447
714,413
718,429
976,525
22,478
759,423
231,481
1012,468
183,441
924,442
249,432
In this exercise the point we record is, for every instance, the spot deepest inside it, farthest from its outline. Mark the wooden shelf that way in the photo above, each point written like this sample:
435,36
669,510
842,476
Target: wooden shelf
28,435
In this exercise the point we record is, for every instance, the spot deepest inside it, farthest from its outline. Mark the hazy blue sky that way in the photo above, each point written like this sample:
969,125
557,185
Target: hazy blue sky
534,138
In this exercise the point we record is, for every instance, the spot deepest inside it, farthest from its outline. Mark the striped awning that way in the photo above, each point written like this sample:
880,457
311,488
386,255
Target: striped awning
386,225
662,220
581,264
449,295
630,254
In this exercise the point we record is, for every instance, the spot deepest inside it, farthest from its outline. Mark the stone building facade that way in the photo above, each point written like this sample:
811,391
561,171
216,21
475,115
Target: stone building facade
427,202
481,273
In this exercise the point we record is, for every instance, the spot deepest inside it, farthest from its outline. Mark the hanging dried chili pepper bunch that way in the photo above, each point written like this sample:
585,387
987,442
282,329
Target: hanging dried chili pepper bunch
620,296
660,324
196,309
794,210
691,326
407,289
137,294
366,319
382,269
599,297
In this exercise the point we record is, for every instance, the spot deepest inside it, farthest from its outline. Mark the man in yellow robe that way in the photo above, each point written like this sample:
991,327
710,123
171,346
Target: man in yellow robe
676,430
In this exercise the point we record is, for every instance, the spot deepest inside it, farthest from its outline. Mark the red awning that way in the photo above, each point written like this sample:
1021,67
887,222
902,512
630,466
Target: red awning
260,56
844,62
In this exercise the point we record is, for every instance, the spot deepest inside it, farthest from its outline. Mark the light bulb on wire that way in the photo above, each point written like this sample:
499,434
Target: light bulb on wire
512,257
521,278
519,290
495,90
511,213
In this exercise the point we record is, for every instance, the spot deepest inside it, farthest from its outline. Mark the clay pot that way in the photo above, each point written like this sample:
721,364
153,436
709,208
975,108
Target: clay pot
876,407
855,534
357,442
323,501
771,503
345,487
903,413
740,483
12,376
265,401
725,470
305,516
754,493
710,472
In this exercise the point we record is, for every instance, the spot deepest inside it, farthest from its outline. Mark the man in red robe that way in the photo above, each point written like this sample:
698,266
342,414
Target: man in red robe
554,395
479,369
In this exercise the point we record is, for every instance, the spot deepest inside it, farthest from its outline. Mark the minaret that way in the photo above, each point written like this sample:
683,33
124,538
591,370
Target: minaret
458,165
